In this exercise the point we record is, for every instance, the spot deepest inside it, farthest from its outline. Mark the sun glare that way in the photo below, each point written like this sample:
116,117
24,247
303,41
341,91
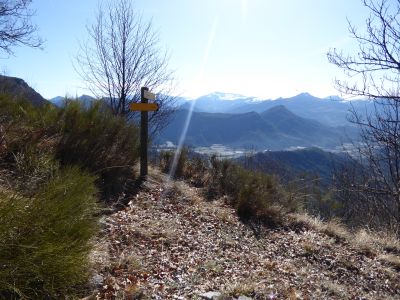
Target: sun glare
200,76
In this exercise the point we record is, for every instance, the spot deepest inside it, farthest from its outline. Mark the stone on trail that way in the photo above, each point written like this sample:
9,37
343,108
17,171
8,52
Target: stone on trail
211,295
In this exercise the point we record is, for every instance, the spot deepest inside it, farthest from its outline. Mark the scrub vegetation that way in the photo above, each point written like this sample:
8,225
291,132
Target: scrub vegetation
58,168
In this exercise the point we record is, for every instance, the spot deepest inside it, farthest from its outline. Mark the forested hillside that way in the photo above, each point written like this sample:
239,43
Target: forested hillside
274,129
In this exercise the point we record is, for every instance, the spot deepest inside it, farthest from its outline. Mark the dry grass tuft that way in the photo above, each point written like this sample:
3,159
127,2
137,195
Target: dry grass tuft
309,248
376,242
293,294
332,228
130,261
335,229
187,193
99,256
244,288
391,259
365,241
334,289
225,216
304,222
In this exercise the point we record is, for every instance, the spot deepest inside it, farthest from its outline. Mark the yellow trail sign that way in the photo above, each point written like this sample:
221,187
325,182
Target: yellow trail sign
143,106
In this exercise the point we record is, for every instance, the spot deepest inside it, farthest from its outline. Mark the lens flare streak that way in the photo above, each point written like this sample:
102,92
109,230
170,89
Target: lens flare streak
193,103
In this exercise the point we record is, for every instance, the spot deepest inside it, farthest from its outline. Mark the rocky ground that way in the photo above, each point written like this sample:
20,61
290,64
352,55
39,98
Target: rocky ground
170,243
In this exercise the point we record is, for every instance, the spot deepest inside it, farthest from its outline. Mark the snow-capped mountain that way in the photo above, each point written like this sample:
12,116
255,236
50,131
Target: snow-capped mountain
233,97
219,102
331,110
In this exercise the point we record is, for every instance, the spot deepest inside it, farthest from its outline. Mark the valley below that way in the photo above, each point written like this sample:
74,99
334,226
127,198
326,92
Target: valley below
263,125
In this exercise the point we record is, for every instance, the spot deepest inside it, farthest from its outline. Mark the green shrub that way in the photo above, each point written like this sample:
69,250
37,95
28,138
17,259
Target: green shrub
182,164
23,126
99,142
257,197
46,239
260,199
166,158
195,170
33,168
23,111
225,178
91,137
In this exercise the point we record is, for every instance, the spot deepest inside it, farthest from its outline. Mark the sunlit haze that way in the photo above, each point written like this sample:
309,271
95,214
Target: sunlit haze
259,48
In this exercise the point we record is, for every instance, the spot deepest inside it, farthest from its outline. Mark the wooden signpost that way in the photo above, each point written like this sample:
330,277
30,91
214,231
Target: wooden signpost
144,107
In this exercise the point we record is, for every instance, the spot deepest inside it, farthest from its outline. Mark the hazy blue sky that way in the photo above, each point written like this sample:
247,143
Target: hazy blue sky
262,48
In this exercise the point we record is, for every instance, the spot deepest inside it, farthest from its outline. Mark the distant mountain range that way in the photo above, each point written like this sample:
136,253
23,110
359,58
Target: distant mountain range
331,111
239,121
275,129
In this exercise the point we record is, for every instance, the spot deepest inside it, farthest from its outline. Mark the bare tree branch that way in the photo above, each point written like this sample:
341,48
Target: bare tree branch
374,73
121,56
16,27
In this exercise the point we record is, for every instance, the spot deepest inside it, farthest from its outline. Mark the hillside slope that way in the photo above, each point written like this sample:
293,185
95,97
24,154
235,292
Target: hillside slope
326,111
20,90
237,130
306,130
274,129
289,164
172,244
